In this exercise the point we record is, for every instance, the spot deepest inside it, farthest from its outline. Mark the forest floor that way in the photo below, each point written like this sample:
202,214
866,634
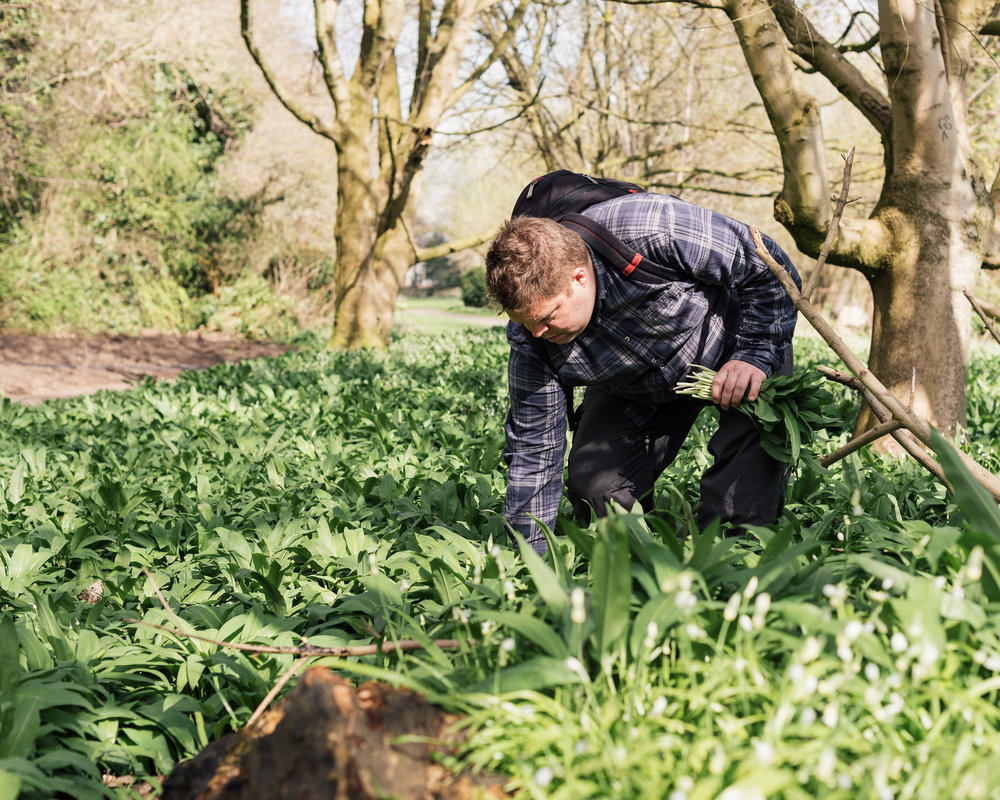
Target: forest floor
38,368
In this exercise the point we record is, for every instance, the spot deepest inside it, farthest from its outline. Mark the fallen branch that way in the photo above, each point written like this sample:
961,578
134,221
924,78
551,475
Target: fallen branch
913,433
866,438
305,652
978,305
904,438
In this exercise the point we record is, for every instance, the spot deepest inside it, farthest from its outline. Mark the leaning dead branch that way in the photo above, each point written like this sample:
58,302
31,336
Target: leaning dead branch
977,304
912,433
891,406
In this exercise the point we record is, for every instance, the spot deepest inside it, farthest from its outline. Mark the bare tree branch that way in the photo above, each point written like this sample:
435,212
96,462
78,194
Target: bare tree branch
294,108
809,45
838,212
978,306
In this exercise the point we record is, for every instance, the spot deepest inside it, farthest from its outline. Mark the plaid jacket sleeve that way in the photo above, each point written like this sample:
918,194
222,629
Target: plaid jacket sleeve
536,440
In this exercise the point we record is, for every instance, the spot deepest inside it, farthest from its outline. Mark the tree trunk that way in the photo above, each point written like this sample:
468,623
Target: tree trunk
926,240
371,260
922,322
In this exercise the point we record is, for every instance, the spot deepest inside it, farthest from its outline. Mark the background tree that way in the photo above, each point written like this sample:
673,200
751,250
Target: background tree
934,225
409,71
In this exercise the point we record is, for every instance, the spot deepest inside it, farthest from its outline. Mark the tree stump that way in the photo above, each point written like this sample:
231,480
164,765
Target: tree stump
331,741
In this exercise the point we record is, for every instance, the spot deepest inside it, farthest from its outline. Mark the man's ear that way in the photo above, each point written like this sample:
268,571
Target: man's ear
580,275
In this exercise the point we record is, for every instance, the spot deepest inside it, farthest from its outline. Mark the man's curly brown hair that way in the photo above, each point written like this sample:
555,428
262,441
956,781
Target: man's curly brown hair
531,259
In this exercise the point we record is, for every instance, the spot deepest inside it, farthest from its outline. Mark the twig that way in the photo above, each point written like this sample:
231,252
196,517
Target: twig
905,440
309,650
403,645
838,212
860,441
258,712
977,305
305,652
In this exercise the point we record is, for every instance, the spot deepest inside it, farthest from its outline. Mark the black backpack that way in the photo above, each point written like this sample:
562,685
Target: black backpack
562,194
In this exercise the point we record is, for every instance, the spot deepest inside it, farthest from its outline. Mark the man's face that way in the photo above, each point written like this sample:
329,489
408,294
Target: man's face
562,318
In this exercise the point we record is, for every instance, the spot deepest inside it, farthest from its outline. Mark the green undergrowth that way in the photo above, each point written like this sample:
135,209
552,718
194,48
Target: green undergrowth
850,651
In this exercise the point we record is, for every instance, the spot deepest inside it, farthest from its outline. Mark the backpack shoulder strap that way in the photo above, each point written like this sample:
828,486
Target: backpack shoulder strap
613,250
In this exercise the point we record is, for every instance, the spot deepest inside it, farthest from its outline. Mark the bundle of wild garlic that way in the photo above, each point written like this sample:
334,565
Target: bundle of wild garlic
787,412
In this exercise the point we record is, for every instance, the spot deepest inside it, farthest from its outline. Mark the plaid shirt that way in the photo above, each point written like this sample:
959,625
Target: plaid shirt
725,304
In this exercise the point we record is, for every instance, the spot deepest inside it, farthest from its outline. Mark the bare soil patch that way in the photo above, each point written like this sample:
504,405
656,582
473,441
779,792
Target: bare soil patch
37,368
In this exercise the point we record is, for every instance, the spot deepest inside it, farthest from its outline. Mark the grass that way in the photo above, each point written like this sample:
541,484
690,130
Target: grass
850,651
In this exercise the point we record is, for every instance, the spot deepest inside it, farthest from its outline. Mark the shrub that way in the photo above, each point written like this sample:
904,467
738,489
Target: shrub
474,288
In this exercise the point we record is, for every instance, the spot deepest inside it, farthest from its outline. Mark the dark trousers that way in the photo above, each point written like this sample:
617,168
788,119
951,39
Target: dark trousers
614,459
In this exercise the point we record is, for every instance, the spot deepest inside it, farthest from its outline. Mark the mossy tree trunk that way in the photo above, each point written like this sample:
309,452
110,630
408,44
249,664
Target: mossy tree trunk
381,123
934,226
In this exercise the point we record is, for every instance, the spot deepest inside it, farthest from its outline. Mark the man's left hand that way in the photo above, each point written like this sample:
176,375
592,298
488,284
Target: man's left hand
734,382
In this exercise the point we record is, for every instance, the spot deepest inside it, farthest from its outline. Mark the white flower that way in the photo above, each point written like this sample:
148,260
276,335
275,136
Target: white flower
751,588
659,706
811,649
544,776
685,599
824,768
872,672
574,665
898,642
764,752
837,594
830,716
508,645
929,654
852,630
695,632
746,623
974,566
732,608
652,632
578,603
760,609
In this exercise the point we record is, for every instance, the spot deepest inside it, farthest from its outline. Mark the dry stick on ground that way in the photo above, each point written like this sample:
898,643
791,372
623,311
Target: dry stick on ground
978,306
305,652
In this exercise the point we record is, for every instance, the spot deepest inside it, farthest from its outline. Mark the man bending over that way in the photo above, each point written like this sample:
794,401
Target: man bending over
576,321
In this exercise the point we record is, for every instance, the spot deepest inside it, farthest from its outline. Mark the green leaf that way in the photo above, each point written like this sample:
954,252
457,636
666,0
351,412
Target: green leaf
10,667
553,594
611,582
794,436
531,628
10,785
15,489
534,675
977,505
21,725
